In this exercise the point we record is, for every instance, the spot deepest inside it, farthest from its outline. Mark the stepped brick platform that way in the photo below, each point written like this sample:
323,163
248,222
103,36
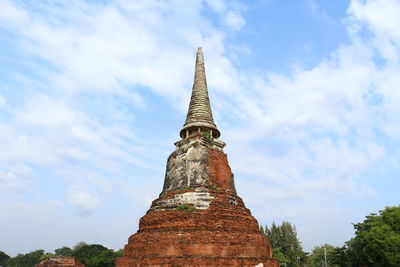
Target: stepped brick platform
61,261
198,219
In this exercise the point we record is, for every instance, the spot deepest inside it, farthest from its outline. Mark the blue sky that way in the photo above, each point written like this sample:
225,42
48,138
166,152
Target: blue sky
93,95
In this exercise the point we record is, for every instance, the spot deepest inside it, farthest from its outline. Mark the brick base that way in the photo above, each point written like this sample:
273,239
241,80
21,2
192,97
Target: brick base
200,262
204,223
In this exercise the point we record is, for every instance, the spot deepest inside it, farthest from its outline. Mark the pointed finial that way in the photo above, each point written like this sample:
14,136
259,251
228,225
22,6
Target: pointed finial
199,117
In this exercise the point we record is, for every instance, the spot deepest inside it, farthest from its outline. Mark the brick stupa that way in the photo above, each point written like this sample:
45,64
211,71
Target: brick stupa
198,219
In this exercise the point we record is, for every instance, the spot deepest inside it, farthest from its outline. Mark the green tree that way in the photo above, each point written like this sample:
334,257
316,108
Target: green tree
277,254
85,253
339,257
64,251
79,245
262,230
16,261
46,256
333,256
120,252
3,258
284,238
105,259
26,260
377,240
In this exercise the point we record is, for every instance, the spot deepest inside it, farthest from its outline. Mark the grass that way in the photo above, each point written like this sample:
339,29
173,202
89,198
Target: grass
184,189
186,207
208,136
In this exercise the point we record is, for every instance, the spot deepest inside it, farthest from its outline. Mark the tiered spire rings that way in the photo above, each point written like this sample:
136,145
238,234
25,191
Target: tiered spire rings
199,118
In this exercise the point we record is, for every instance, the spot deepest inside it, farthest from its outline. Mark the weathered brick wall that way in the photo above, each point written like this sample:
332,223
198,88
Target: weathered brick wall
61,261
203,224
198,262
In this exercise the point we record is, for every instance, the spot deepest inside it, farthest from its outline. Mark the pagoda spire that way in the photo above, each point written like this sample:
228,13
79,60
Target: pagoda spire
199,117
198,219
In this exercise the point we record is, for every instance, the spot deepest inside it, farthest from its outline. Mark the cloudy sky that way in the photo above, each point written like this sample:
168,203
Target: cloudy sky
306,94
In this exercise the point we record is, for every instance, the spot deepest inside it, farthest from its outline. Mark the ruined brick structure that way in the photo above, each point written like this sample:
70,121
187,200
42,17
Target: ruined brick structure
61,261
198,219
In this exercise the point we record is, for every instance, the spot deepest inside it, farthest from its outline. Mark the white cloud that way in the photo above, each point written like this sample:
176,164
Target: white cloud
84,201
218,6
381,18
231,17
3,102
15,178
318,12
88,64
11,14
234,20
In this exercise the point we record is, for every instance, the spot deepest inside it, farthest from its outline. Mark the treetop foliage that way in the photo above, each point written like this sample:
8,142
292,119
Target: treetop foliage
93,255
376,243
3,258
285,244
377,239
334,256
28,260
64,251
